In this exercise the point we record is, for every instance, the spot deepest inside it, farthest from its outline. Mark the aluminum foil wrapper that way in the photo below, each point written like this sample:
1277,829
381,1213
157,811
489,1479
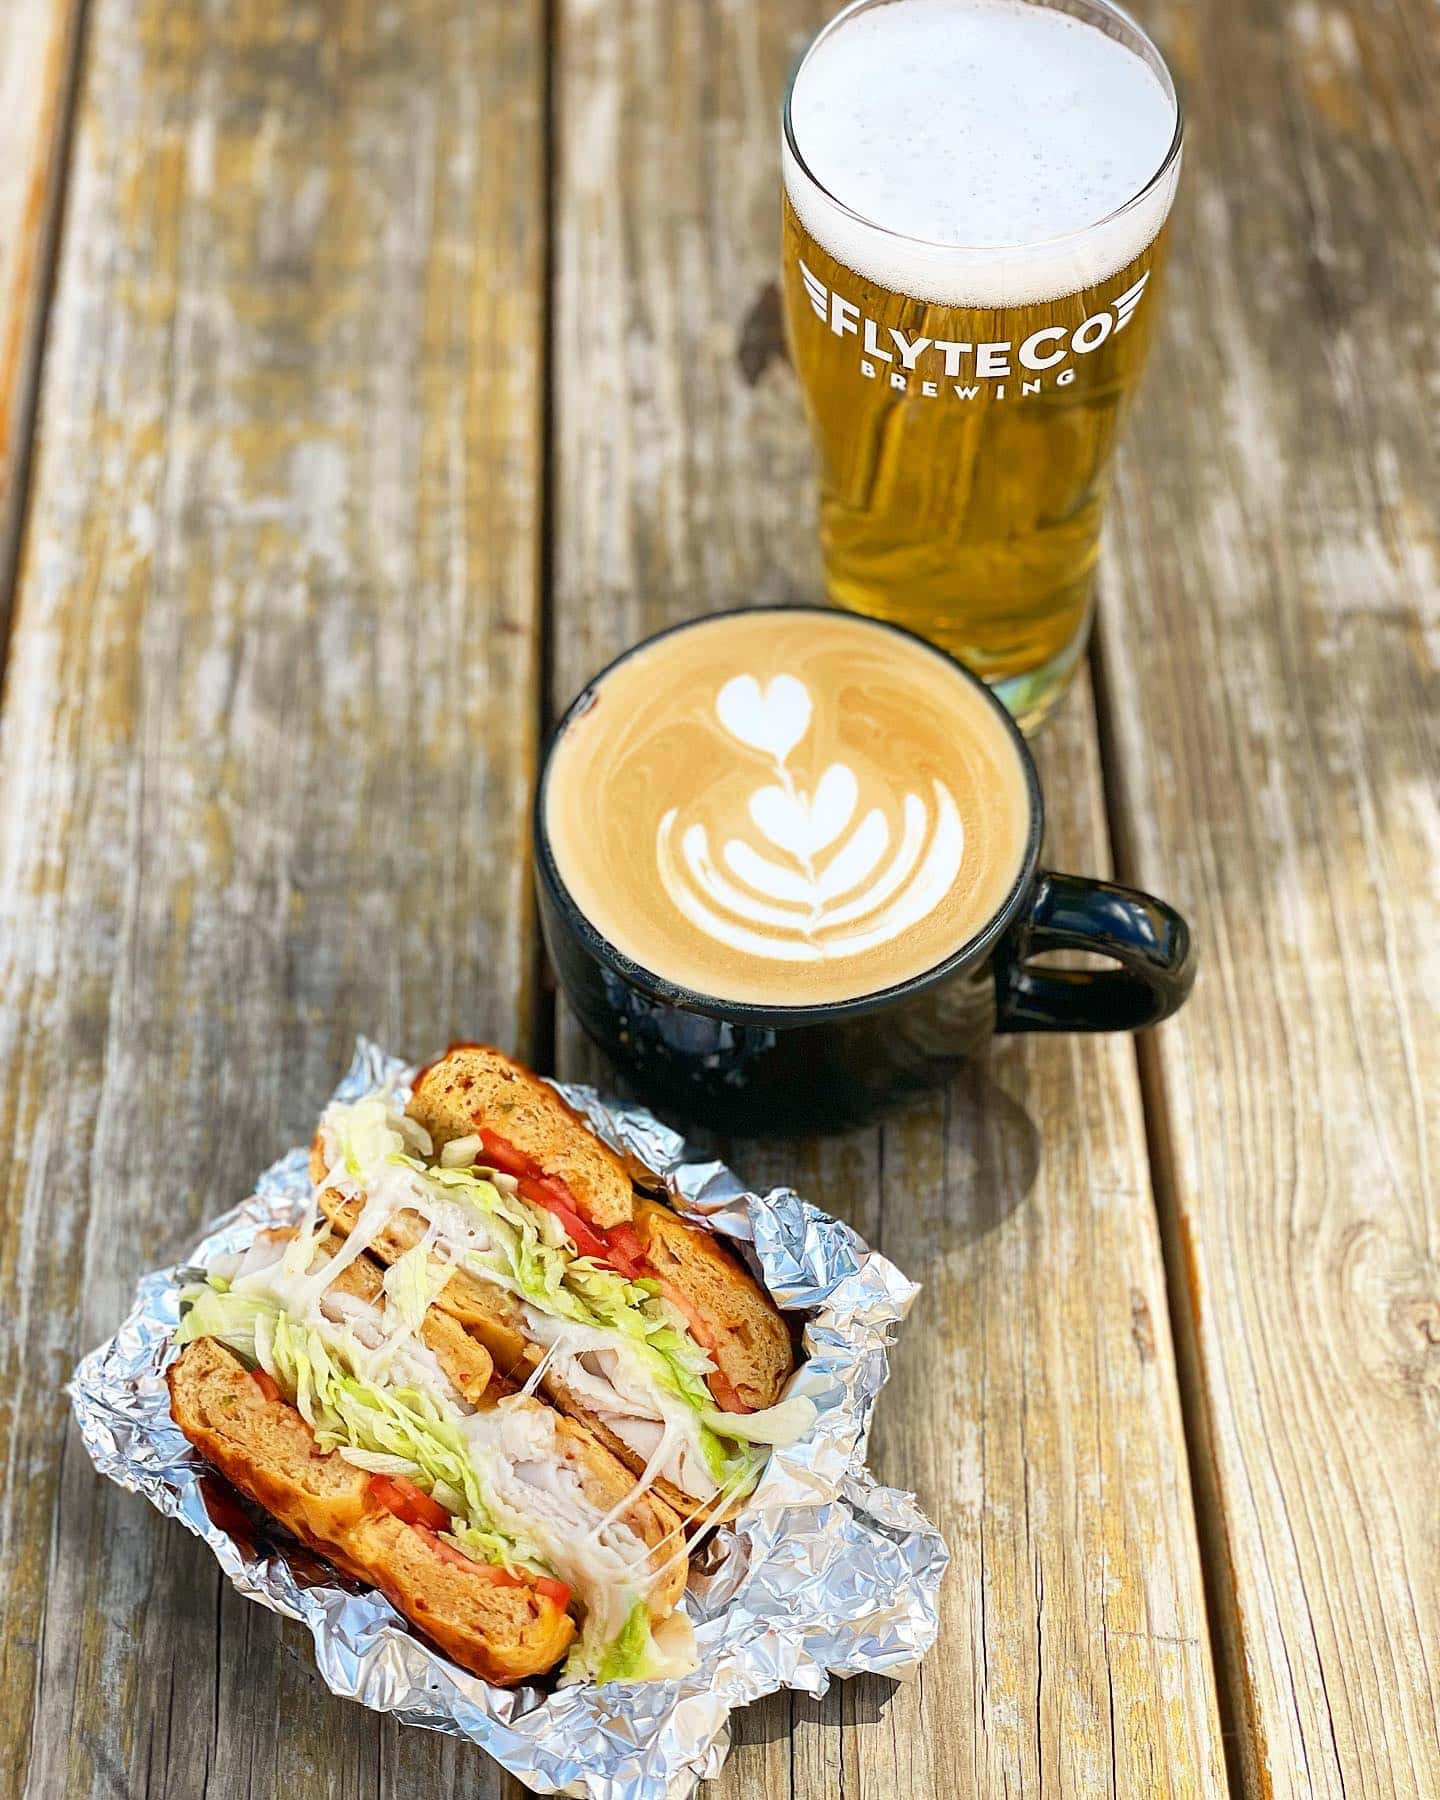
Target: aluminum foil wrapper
824,1572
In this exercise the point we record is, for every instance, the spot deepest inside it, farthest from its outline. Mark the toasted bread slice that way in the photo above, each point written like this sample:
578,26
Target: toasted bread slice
731,1316
474,1086
504,1634
490,1312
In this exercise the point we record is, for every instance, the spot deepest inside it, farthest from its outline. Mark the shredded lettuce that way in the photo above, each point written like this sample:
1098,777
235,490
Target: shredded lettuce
212,1312
347,1412
343,1409
411,1282
784,1423
626,1655
580,1291
530,1254
376,1462
365,1133
534,1254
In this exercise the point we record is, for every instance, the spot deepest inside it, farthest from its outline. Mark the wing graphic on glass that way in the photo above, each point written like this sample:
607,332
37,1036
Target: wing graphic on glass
808,880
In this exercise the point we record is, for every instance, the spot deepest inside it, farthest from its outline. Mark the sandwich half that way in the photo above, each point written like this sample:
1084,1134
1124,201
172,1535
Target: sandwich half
336,1395
625,1316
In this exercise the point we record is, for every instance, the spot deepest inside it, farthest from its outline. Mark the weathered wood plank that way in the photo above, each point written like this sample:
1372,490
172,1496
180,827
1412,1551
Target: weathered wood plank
1034,1405
264,764
38,41
1270,636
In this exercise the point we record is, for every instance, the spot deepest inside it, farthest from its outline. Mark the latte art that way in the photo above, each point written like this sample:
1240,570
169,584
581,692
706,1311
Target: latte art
829,895
786,807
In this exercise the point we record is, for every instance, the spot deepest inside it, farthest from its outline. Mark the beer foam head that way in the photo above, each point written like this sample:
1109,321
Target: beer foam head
787,807
979,152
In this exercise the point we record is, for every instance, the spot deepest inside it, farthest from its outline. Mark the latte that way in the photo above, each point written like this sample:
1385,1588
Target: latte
786,807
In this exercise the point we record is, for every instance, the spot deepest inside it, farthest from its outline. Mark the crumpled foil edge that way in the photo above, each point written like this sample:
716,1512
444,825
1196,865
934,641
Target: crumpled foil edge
824,1573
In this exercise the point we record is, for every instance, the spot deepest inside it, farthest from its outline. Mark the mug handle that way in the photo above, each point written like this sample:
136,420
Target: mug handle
1148,939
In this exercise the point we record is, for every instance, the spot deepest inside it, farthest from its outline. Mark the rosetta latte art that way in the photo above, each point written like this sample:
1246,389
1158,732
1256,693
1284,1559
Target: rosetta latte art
839,885
786,807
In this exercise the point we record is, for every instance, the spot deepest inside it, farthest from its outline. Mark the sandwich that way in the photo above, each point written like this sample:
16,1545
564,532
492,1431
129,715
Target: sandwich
631,1321
336,1394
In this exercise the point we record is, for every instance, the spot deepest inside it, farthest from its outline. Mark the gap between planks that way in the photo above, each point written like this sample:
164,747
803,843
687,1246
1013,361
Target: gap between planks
542,987
1216,1573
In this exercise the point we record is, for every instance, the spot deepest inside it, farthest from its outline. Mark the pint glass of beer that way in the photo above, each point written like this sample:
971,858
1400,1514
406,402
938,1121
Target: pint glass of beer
976,194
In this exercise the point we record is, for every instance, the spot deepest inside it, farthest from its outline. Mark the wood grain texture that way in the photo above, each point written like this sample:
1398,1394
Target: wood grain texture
1271,631
38,43
264,764
1034,1403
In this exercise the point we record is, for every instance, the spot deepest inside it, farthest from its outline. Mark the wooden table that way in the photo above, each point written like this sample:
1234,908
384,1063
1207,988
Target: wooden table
370,374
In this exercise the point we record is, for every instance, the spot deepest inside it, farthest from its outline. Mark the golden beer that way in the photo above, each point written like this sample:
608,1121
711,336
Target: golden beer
965,397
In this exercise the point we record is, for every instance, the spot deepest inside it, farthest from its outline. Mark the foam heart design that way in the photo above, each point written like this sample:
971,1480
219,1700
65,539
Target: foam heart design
773,720
805,827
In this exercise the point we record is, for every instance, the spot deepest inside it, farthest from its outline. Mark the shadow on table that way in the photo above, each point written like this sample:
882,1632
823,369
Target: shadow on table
992,1155
968,1153
860,1700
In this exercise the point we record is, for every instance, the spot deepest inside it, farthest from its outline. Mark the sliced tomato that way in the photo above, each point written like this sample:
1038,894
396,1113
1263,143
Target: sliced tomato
446,1552
625,1252
501,1154
498,1577
408,1502
267,1384
539,1190
549,1588
490,1573
384,1490
549,1190
726,1394
619,1247
450,1553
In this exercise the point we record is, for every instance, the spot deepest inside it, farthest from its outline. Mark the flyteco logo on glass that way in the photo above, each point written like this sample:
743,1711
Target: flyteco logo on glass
939,368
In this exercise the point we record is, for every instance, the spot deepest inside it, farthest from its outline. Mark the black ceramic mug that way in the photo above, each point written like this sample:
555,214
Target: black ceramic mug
752,1067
